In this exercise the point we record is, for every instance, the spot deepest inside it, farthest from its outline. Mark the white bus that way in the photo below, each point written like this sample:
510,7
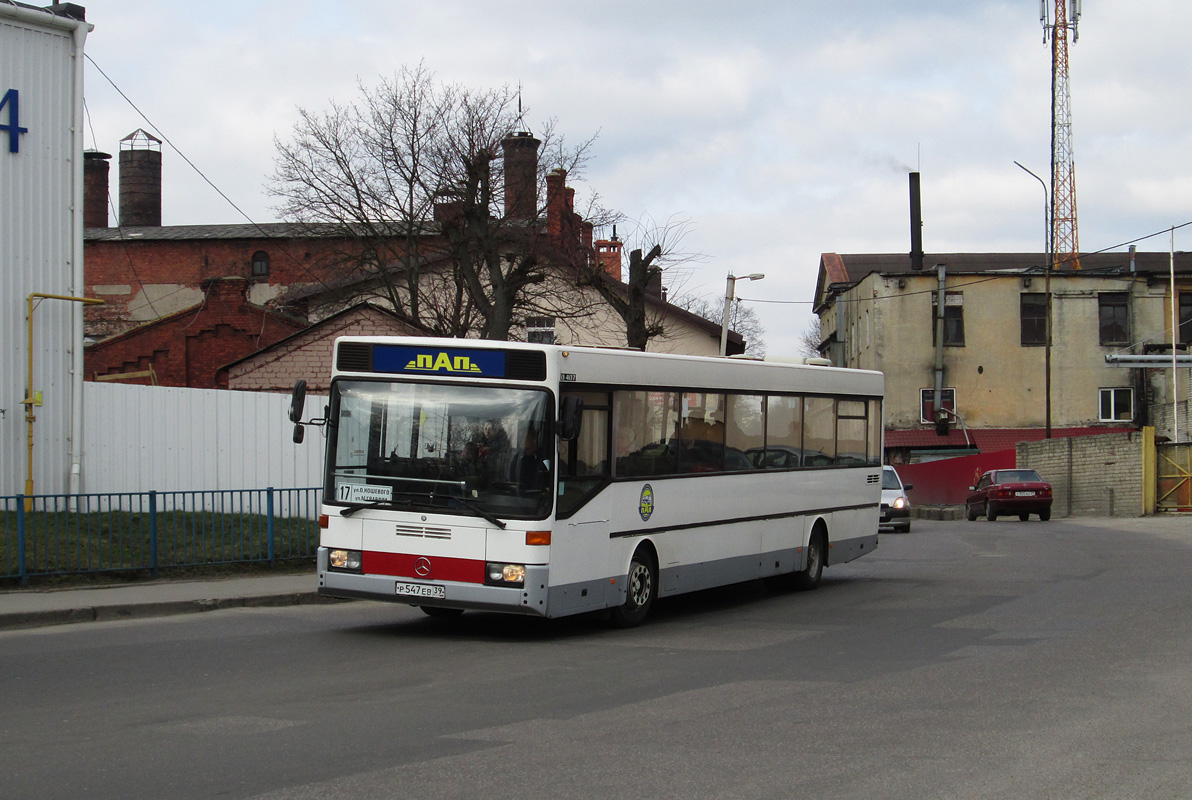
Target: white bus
546,480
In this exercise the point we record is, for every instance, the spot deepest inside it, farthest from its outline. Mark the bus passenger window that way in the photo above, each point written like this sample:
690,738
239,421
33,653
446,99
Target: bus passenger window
647,429
819,432
850,432
701,433
784,434
745,432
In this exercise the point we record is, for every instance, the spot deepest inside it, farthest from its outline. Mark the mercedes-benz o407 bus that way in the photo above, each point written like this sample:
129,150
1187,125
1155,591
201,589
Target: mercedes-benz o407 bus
547,480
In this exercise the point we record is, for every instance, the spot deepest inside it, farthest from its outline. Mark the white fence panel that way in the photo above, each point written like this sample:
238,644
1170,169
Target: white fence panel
138,438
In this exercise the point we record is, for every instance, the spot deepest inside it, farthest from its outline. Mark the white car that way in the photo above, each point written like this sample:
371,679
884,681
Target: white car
896,507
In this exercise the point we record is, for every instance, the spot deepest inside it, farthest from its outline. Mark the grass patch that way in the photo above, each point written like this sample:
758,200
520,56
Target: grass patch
59,543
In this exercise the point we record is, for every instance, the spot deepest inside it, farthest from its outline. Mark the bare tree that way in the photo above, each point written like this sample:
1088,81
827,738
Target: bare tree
410,178
628,300
810,339
741,318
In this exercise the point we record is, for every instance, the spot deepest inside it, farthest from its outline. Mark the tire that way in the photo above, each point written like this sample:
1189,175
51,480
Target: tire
641,589
990,514
1045,515
809,578
1023,517
970,513
438,612
903,528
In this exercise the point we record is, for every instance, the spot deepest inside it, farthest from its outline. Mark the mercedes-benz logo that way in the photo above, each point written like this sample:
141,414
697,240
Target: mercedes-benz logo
422,567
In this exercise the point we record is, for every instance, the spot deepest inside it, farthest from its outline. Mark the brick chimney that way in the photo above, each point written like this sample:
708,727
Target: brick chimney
95,188
140,180
521,175
608,255
556,183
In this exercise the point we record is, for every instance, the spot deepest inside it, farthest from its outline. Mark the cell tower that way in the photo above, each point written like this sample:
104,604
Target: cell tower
1065,242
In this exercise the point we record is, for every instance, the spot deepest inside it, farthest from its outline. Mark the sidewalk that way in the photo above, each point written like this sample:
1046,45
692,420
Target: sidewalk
30,608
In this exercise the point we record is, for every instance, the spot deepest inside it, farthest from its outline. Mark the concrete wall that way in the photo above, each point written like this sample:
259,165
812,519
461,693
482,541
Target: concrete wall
1090,475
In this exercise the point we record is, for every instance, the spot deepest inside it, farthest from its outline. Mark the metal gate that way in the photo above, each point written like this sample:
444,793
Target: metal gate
1173,477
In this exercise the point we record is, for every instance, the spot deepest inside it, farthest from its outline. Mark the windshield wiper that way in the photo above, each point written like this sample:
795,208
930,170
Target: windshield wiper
354,507
464,502
480,511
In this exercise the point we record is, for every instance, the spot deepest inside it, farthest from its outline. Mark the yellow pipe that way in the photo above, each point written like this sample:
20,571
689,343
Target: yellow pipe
30,395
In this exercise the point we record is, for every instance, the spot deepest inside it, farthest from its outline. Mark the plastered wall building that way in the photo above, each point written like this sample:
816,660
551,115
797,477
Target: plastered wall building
990,355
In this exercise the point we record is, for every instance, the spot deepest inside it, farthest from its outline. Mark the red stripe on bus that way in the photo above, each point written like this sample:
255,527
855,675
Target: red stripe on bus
426,568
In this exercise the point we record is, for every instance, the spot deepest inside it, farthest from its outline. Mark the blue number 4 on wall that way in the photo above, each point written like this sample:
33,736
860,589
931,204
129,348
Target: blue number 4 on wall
11,102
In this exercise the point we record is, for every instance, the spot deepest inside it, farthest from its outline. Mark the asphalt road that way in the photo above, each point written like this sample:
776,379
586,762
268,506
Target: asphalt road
962,660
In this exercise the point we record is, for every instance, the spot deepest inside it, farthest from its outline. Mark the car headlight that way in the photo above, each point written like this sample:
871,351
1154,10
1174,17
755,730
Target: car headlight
900,502
505,574
346,560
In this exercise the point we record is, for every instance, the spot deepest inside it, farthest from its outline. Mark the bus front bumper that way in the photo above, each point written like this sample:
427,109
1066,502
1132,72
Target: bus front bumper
530,598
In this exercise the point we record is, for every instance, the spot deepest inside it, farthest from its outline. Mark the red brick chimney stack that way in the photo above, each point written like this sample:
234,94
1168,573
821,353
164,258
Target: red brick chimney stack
95,188
608,255
521,175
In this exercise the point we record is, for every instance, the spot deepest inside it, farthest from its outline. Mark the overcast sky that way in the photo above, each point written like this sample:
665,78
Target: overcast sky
780,130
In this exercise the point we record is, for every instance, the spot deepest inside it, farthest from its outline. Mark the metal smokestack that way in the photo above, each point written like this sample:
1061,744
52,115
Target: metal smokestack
916,225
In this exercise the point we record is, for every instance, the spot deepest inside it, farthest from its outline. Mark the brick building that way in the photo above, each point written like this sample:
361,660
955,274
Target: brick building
188,347
156,281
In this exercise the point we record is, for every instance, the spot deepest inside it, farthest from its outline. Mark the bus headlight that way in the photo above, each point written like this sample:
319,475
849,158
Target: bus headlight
346,560
505,574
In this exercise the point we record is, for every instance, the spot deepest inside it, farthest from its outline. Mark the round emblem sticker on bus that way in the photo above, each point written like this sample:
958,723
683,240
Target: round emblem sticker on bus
645,506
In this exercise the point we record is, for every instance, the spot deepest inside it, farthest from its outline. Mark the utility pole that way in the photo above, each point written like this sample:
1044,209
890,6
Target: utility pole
1065,240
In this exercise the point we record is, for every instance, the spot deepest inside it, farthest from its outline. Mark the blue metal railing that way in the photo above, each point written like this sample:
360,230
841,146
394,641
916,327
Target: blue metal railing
65,534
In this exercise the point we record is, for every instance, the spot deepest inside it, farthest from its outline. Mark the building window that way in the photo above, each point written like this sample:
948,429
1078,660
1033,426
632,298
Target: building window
953,319
1113,322
1117,405
260,265
927,403
540,330
1186,317
1033,313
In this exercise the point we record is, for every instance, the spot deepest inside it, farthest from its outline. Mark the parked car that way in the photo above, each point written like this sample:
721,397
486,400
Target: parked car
896,506
1009,491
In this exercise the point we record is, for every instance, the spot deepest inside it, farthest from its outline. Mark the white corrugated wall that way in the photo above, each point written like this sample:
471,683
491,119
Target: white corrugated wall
138,438
37,239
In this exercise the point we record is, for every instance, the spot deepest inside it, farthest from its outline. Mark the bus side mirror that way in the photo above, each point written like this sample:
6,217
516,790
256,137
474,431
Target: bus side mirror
571,413
297,402
299,433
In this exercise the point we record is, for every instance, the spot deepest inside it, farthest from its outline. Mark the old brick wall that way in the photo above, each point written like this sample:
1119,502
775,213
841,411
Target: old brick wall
1090,475
143,279
188,348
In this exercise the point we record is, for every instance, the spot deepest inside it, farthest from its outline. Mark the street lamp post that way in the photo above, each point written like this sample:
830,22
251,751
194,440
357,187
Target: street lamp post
1047,289
728,300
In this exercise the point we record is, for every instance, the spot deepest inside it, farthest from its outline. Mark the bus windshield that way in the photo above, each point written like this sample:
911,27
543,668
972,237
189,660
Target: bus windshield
470,450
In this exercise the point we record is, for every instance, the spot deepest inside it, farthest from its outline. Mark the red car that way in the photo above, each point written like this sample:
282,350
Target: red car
1009,491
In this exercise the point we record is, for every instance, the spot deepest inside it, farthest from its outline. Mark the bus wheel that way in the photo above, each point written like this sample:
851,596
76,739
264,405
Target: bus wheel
809,578
642,588
438,612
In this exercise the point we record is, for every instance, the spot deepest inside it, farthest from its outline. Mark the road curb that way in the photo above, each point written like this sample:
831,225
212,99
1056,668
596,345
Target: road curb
107,613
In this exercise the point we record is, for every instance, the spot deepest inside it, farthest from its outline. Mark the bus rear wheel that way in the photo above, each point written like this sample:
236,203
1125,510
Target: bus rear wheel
809,578
641,589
